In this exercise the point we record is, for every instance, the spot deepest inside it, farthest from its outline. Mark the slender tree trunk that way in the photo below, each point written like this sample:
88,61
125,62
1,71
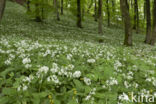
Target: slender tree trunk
131,2
127,21
28,5
113,6
79,19
95,11
148,22
56,5
37,13
2,7
82,13
153,39
144,9
42,13
61,7
100,17
108,13
113,9
91,3
136,16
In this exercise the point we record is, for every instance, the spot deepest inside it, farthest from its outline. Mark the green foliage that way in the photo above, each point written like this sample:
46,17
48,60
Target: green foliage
40,8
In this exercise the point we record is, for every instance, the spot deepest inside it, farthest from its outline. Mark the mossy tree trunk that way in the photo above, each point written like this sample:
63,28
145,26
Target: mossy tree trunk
108,13
79,16
2,7
127,22
56,6
37,13
95,11
100,17
148,22
28,5
154,24
62,7
136,16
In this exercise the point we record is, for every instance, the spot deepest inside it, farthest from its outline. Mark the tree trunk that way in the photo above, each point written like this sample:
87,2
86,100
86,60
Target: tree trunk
154,24
144,9
61,7
28,5
108,13
100,17
127,21
2,7
56,9
95,11
37,13
113,6
79,14
148,22
136,16
91,3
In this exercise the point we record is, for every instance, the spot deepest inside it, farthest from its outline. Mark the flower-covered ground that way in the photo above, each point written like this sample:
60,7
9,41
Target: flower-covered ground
57,63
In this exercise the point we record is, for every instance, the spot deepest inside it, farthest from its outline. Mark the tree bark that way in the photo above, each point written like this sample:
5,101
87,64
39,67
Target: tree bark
95,11
136,16
56,10
28,5
2,7
153,40
148,22
37,13
113,6
108,13
100,17
127,22
79,18
144,9
90,5
61,7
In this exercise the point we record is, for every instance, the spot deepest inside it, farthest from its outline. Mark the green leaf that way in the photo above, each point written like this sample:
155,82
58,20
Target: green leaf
9,91
78,84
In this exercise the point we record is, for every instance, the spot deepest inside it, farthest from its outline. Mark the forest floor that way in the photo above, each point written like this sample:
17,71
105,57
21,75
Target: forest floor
73,58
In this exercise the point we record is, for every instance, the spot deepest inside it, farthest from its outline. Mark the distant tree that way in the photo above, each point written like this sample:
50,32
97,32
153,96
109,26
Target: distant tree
100,16
62,7
2,7
127,22
144,9
95,10
136,16
56,6
148,22
108,13
37,13
153,39
90,5
28,5
113,6
79,15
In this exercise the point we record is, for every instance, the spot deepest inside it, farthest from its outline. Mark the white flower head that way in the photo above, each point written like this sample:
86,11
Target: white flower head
7,62
88,97
27,66
44,69
76,74
25,88
53,78
26,61
87,81
91,60
154,82
124,97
